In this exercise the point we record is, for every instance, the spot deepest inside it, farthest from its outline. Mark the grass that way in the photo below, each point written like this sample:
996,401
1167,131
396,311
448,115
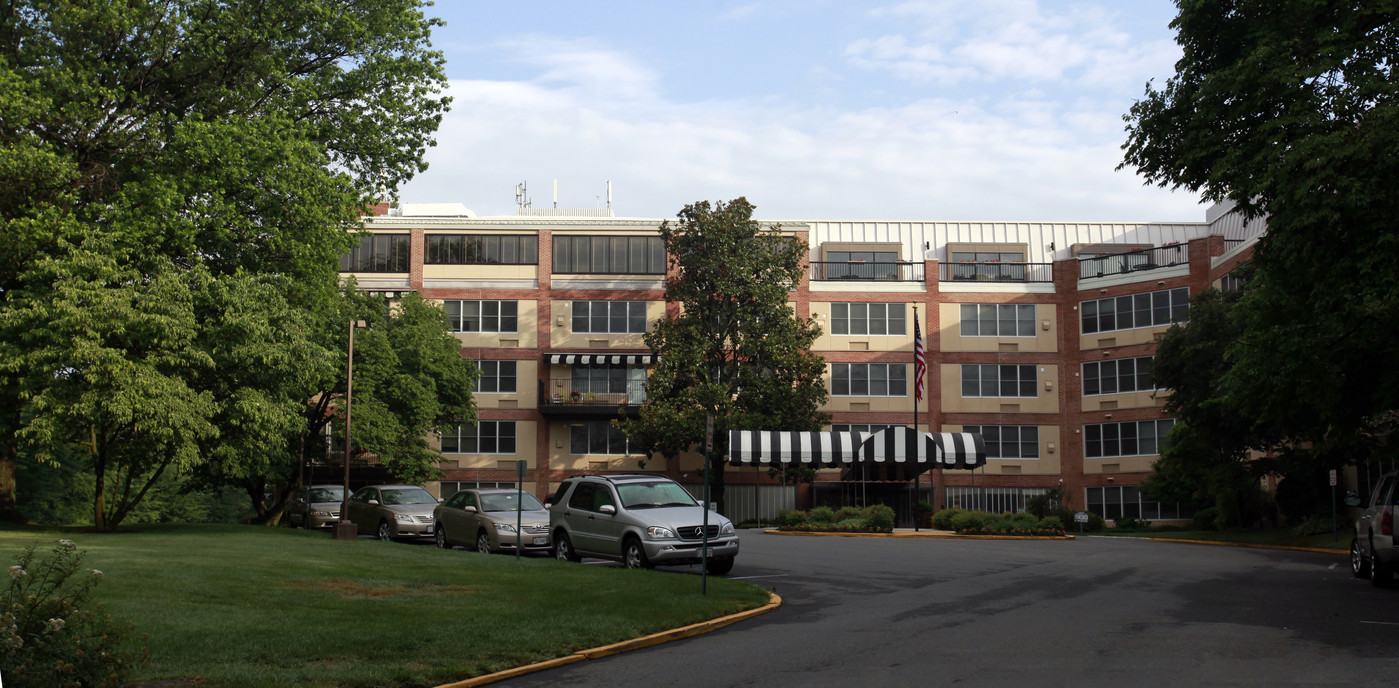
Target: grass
256,606
1275,537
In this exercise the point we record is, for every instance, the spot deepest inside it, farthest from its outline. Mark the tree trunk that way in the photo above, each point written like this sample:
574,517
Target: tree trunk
9,462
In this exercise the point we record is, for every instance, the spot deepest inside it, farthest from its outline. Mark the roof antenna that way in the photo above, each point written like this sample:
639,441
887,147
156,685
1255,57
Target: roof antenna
522,195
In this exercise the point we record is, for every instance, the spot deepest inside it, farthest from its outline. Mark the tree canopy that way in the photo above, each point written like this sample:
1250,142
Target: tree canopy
221,152
731,346
1290,110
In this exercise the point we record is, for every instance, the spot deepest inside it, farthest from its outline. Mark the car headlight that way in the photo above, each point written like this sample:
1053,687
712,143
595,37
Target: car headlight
727,529
404,517
505,527
659,533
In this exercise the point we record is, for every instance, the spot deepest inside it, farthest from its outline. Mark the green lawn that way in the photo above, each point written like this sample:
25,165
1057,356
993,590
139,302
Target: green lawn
256,606
1277,537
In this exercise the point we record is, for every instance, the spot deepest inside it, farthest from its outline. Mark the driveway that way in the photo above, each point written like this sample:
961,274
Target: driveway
1086,612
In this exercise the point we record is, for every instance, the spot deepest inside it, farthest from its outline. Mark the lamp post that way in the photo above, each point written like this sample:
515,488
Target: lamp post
346,529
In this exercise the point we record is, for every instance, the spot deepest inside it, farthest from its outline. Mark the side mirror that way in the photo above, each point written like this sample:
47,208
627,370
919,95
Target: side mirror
607,509
469,509
375,502
1352,500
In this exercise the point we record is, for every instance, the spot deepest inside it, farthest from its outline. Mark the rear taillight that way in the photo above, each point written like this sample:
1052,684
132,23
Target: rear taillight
1387,521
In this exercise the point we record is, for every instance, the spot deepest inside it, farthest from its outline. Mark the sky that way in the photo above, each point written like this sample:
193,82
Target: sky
994,110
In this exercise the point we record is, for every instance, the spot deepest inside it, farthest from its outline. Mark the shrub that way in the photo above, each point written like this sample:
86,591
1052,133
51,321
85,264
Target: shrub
1039,505
852,525
790,517
846,513
923,511
822,515
1128,523
968,520
1024,521
50,631
1208,518
880,517
1095,523
942,520
1050,523
1317,525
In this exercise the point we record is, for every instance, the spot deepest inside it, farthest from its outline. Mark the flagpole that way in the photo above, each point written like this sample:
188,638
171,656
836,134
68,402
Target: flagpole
919,372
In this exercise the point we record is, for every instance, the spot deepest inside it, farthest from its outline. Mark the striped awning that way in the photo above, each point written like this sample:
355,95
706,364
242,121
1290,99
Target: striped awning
890,454
601,359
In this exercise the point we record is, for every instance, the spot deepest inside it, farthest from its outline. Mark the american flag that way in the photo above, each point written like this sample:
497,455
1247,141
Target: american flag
920,364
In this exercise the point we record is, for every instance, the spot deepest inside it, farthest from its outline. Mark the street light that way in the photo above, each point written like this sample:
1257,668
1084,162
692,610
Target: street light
346,529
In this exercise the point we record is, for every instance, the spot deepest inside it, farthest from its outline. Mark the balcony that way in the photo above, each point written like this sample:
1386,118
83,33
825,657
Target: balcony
1134,261
567,398
996,272
898,271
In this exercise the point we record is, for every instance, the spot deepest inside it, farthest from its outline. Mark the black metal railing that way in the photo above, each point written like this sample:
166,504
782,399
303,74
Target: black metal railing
1134,261
996,272
567,391
901,271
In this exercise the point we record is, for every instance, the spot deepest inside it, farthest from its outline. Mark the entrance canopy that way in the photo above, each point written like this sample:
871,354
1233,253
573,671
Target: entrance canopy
890,454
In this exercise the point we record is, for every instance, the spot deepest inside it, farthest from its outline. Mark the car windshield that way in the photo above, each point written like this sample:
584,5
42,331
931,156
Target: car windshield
327,494
654,495
408,495
510,502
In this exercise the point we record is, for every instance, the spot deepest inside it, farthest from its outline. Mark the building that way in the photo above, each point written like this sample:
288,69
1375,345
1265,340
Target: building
1038,335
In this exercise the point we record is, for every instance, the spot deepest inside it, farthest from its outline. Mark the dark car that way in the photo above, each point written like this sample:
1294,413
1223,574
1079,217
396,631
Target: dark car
393,511
487,520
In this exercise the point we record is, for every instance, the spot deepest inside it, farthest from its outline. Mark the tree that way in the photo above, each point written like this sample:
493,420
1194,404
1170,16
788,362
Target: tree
236,137
731,346
1291,111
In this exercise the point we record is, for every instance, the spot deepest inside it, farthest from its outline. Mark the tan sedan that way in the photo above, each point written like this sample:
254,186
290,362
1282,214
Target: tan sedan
486,520
393,511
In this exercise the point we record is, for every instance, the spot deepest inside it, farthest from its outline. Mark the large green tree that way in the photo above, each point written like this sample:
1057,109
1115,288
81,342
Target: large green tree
732,347
241,138
1290,109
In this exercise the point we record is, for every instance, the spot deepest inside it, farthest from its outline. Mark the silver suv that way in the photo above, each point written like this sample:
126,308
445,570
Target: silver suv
639,520
1373,551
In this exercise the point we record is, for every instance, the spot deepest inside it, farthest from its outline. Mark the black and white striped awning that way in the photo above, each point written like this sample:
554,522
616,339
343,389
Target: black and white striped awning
890,454
601,359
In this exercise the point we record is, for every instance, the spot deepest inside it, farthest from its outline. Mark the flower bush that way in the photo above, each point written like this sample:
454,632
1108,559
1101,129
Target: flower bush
979,523
51,633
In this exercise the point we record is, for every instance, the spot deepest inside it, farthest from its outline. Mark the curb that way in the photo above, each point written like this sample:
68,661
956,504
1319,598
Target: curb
1250,545
625,646
933,535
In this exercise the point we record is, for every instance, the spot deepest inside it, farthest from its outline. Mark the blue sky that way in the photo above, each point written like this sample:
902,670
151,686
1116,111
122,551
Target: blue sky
920,110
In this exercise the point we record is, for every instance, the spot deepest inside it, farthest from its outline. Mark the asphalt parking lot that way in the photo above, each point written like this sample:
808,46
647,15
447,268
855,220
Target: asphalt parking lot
1091,611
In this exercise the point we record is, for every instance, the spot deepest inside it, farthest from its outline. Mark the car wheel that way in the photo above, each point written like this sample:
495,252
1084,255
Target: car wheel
483,542
563,548
634,555
719,566
440,537
384,532
1359,565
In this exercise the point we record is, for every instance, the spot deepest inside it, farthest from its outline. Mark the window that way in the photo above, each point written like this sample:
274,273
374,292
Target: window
1130,438
998,320
485,437
609,255
609,317
1135,310
869,379
597,437
378,253
1008,441
605,378
1116,376
497,377
866,428
987,257
481,249
868,318
995,500
988,265
483,316
1117,501
862,265
997,380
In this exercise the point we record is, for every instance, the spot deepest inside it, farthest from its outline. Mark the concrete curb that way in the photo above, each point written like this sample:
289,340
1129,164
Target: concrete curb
930,535
1251,545
625,646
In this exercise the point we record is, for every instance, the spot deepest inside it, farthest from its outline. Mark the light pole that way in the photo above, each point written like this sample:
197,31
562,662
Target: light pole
346,529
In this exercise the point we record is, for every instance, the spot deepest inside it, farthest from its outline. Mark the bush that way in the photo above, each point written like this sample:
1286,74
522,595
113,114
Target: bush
1208,518
791,517
1318,525
50,631
852,525
1128,523
968,520
1095,523
880,517
846,513
923,511
942,520
1050,523
823,515
1039,506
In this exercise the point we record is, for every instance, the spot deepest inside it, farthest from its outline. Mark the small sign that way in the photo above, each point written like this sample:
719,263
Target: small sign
1081,517
1333,477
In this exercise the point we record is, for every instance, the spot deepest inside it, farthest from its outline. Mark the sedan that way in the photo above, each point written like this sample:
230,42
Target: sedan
487,520
393,511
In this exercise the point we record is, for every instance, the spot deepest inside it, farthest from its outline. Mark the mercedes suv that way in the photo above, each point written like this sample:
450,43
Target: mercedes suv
1374,551
639,520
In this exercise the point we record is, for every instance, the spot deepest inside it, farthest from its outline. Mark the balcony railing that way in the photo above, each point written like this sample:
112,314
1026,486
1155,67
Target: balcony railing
1134,261
996,272
901,271
568,392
